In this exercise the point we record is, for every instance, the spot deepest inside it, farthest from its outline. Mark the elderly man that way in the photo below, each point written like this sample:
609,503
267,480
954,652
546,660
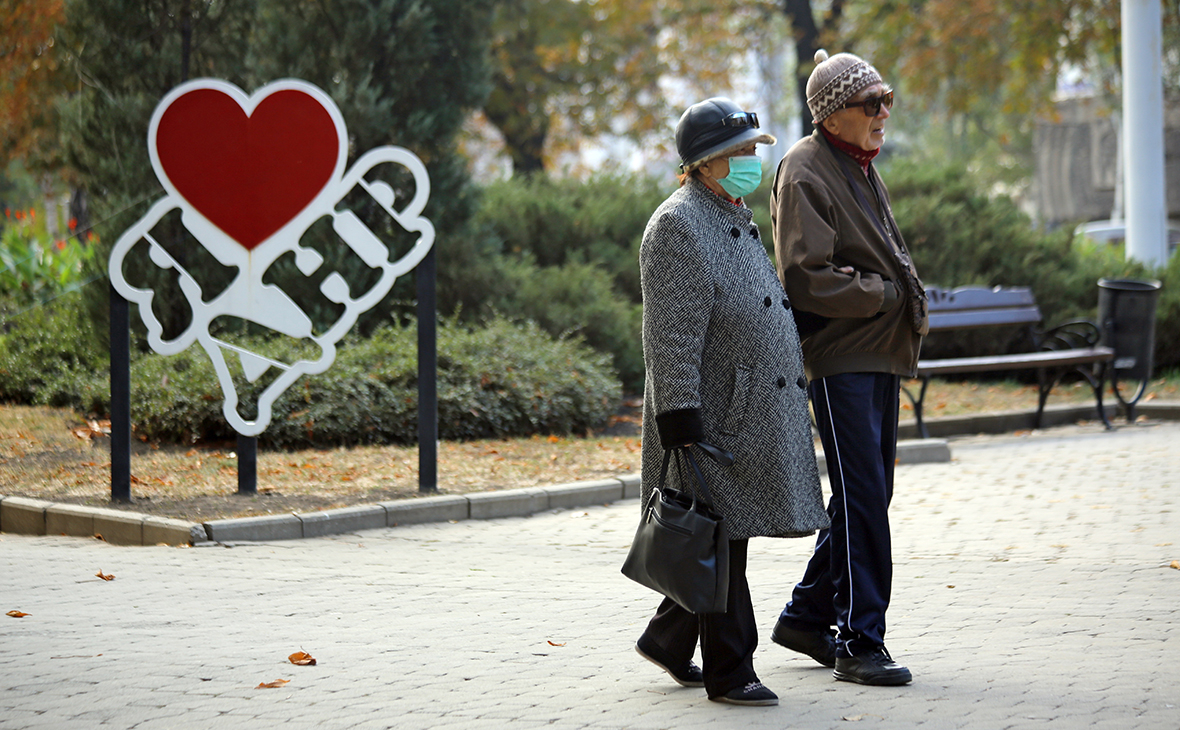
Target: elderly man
861,313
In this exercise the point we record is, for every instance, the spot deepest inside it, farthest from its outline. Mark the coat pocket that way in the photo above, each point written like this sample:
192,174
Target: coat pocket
739,400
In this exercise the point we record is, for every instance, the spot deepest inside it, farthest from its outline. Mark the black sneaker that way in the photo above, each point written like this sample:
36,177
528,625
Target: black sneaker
753,693
686,674
819,645
874,667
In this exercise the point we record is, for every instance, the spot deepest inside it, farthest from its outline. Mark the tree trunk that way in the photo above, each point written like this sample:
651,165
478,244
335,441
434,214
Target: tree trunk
807,41
524,133
806,44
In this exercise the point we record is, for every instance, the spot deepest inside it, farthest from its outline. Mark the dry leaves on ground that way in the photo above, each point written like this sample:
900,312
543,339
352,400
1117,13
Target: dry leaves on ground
104,576
272,685
302,658
16,614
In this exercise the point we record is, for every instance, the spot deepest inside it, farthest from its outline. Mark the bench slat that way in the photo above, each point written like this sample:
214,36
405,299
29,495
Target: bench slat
941,320
993,363
979,297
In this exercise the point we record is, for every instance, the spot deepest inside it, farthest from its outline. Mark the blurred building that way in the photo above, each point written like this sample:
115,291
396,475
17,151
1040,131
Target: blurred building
1078,166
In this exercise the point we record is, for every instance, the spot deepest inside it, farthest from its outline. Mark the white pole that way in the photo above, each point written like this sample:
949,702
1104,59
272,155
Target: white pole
1143,132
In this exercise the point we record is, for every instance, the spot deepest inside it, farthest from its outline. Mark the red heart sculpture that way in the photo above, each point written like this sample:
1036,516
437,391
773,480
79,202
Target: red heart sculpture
249,175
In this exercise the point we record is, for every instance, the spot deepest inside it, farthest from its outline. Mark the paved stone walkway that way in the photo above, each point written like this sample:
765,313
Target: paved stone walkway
1033,589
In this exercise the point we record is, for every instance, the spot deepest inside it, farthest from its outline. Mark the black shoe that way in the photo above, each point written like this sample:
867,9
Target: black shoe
686,674
819,645
752,694
874,667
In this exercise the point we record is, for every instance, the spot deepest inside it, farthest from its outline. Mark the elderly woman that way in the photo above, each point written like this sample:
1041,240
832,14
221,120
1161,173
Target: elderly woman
862,312
723,367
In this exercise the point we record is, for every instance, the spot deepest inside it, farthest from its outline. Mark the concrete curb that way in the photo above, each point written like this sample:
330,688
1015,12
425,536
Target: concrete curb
1011,421
37,517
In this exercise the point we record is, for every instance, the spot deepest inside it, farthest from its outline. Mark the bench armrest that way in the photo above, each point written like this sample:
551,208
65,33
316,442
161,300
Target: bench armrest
1072,335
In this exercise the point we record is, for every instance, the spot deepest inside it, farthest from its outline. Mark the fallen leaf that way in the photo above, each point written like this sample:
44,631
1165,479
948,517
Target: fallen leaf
553,439
302,658
552,644
272,685
16,614
104,576
1176,564
858,718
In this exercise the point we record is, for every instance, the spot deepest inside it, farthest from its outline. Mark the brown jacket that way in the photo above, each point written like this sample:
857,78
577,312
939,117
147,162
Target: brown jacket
848,322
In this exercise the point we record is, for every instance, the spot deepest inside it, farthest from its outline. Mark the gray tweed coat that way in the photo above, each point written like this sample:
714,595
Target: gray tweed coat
724,365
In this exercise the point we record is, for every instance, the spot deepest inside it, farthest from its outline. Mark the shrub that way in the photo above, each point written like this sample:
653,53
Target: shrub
51,355
570,258
499,380
577,298
34,268
1167,317
564,220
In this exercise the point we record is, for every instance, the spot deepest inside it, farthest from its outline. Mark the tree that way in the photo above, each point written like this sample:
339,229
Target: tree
809,36
588,68
978,53
406,73
32,70
126,55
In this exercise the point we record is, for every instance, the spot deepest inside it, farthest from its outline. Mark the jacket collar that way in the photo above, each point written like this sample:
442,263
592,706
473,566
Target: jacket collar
701,194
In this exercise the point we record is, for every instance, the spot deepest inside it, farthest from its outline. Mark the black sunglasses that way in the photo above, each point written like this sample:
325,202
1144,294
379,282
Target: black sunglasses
740,119
873,104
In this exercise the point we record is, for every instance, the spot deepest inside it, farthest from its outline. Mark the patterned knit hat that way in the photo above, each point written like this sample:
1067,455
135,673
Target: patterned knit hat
835,80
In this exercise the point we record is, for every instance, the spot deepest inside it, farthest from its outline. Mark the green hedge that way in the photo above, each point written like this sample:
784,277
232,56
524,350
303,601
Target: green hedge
569,258
503,379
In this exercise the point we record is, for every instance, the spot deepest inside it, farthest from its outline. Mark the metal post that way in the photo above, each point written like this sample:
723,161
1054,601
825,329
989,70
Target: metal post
247,464
1143,132
427,376
120,398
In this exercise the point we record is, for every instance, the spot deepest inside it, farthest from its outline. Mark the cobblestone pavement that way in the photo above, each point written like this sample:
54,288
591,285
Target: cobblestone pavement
1033,589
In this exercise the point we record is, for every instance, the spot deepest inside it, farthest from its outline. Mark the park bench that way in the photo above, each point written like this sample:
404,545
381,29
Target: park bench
1072,345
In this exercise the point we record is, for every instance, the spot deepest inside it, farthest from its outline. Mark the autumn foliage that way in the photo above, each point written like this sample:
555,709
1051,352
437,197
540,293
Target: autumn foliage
33,69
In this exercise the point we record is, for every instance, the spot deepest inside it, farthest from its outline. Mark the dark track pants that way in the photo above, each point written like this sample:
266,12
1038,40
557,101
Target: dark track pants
848,580
727,639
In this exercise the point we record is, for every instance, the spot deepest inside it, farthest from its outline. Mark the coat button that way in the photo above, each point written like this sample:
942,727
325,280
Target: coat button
802,381
782,382
754,231
766,301
734,232
786,303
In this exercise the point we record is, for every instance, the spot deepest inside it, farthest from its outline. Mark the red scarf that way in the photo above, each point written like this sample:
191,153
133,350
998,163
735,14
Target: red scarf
862,157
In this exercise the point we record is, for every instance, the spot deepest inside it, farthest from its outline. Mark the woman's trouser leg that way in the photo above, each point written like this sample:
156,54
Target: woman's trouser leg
728,639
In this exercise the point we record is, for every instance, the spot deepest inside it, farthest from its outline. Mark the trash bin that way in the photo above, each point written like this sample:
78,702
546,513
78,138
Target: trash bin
1126,318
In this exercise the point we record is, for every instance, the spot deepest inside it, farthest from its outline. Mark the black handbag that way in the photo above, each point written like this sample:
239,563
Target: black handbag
681,549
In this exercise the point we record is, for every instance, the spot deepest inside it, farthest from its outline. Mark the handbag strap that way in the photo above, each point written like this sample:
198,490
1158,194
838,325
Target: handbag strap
720,456
700,478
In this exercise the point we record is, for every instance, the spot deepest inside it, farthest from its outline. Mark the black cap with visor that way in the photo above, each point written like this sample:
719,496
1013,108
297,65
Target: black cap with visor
713,126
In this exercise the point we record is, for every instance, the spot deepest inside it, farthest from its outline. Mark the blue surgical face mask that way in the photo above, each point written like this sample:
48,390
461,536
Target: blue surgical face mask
745,174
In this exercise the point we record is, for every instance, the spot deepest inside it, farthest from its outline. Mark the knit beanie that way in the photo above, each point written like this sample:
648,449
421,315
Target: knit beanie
835,80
